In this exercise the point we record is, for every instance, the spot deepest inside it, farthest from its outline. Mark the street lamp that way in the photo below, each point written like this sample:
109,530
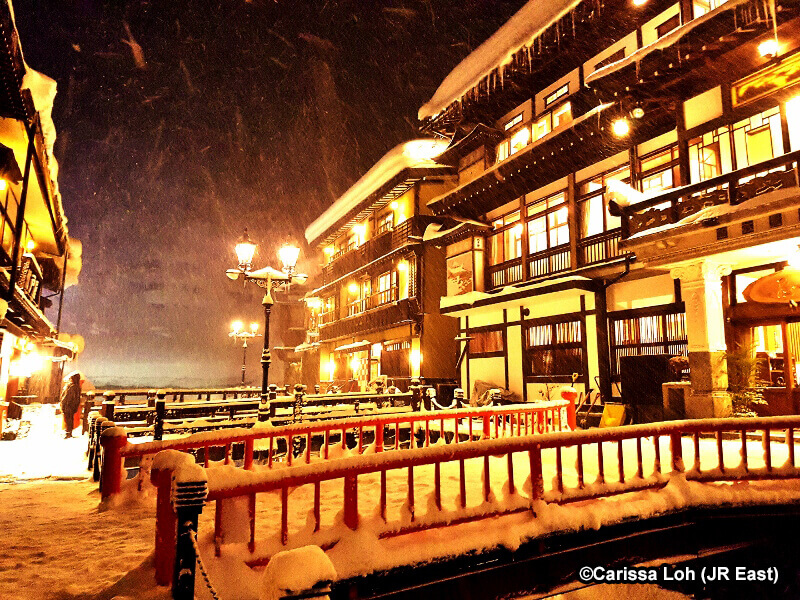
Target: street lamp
238,332
268,279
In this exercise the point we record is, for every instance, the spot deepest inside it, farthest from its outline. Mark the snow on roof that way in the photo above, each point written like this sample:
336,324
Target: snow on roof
520,30
414,154
470,298
662,42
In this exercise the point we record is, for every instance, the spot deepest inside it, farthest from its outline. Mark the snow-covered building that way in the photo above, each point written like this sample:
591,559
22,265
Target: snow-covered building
630,167
376,312
37,257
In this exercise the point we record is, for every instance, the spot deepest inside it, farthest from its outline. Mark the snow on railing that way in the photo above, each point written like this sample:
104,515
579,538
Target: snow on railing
368,434
458,483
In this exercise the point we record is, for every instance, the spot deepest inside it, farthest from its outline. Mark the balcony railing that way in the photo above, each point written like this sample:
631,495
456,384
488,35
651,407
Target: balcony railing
732,188
552,260
506,273
327,317
380,317
599,248
375,300
347,261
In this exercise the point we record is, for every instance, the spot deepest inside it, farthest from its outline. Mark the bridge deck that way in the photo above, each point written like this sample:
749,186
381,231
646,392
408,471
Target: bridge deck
365,550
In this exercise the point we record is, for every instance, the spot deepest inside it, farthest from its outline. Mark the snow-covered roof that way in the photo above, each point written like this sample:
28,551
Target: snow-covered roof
662,42
471,298
519,31
409,155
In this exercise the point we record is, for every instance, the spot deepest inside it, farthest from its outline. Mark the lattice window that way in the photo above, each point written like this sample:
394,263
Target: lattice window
555,348
658,331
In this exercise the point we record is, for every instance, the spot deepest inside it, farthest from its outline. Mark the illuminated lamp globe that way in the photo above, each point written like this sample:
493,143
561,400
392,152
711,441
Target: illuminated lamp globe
768,48
621,127
3,184
245,249
353,288
253,328
639,2
237,326
288,255
637,113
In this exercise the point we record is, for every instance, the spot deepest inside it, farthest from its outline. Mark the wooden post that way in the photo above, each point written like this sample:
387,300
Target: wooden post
416,394
272,395
166,524
351,501
188,499
161,410
113,440
108,405
96,465
537,480
677,452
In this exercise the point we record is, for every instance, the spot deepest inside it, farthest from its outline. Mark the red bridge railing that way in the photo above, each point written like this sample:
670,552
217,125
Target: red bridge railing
553,467
445,425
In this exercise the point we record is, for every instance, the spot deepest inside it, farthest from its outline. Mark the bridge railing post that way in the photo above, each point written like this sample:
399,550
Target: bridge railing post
161,411
537,479
351,501
676,449
188,498
166,526
114,439
108,405
297,407
273,396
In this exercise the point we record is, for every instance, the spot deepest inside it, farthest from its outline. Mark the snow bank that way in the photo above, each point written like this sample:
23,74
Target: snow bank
295,571
520,30
470,298
414,154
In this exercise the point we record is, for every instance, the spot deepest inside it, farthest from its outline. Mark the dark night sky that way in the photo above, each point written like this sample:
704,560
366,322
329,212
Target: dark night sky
180,123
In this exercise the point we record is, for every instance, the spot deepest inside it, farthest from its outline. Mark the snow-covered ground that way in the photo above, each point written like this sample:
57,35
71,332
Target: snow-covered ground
62,544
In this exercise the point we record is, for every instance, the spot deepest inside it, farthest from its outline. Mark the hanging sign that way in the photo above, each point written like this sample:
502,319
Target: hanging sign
767,81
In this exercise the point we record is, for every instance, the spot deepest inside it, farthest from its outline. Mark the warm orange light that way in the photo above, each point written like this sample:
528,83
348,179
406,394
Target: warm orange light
237,326
314,303
3,184
353,288
402,266
639,2
621,127
331,368
394,205
768,48
30,245
253,327
328,250
355,364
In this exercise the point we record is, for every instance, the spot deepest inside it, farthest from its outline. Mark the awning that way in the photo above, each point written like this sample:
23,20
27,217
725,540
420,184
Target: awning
353,346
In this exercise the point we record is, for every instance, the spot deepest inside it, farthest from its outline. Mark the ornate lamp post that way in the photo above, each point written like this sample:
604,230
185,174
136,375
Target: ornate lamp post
268,279
238,332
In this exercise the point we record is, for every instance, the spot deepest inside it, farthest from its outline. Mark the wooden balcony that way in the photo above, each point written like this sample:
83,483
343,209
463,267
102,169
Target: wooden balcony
382,316
380,245
547,262
732,188
599,248
506,273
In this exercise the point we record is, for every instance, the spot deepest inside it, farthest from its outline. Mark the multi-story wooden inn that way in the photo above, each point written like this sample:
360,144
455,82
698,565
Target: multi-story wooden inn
634,164
34,244
377,310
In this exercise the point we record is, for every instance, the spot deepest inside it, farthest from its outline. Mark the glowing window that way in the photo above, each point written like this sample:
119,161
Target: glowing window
520,139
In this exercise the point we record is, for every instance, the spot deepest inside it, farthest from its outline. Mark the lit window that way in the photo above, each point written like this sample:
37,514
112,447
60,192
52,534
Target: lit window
793,120
562,115
502,151
542,127
520,139
559,93
515,121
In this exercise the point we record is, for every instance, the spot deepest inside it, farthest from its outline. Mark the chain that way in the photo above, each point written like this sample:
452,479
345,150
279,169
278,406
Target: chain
193,537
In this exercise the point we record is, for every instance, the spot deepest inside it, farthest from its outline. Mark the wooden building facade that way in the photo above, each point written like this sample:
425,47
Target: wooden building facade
376,312
628,167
